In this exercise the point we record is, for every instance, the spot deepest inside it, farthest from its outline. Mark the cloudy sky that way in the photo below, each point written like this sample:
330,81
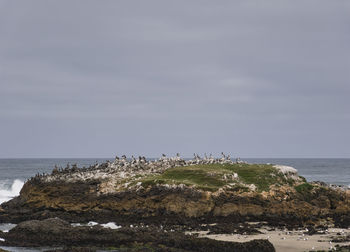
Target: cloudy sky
99,78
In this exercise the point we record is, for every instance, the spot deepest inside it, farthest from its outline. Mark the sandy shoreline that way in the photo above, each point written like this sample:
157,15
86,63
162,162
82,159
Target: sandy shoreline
289,241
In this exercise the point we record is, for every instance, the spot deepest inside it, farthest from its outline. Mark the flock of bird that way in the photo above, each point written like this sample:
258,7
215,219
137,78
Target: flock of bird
124,167
164,162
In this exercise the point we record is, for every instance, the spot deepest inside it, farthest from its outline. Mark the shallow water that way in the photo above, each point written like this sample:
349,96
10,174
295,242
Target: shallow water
20,249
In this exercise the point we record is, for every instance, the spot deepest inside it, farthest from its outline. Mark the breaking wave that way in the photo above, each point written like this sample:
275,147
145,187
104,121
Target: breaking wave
8,191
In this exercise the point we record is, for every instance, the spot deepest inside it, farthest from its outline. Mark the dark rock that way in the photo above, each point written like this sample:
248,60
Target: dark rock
345,248
56,232
233,228
72,249
311,230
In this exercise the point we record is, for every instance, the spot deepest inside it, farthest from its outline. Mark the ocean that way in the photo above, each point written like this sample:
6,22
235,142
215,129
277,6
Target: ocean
14,172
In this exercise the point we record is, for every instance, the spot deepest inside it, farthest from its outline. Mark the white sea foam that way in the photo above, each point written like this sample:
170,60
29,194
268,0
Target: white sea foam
92,223
89,224
76,224
7,193
111,225
6,227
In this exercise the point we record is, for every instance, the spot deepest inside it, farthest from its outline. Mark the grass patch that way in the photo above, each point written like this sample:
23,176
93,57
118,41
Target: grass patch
261,175
202,179
304,188
210,177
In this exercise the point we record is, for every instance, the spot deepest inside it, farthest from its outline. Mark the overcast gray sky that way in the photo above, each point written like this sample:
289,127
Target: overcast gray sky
99,78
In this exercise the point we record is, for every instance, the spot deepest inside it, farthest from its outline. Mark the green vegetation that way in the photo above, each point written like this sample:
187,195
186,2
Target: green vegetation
206,179
304,188
213,176
261,175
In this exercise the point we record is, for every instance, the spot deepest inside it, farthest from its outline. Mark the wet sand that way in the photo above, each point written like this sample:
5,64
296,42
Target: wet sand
289,241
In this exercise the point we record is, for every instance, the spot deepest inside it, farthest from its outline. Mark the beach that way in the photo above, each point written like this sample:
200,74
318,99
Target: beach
291,241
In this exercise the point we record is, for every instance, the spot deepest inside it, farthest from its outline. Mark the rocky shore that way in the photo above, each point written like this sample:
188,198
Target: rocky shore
171,196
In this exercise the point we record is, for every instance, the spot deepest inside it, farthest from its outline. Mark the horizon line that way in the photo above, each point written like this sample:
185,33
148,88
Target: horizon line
109,158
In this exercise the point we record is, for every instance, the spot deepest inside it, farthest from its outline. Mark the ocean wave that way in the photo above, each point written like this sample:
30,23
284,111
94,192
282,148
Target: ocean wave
8,192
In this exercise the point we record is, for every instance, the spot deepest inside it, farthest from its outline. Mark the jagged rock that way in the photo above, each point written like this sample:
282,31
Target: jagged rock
96,193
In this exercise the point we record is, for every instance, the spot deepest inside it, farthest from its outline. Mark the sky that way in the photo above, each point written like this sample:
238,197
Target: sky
103,78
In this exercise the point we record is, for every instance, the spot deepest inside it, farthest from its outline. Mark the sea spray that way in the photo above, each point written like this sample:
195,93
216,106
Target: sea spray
8,192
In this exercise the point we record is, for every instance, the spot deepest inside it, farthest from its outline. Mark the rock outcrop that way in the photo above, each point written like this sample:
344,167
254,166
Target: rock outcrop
56,232
175,191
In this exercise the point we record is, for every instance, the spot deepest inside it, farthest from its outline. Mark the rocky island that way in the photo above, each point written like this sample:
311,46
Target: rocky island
171,204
